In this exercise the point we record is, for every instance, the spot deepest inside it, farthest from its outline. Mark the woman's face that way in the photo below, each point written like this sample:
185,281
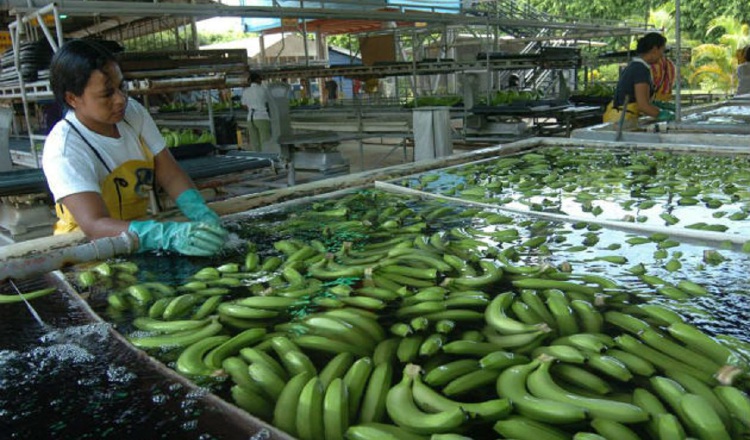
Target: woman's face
654,55
103,101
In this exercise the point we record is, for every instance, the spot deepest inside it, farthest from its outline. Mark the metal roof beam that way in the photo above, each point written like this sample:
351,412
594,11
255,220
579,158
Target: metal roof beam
115,8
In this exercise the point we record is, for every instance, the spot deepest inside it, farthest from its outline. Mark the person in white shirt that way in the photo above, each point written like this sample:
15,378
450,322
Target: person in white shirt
743,74
102,159
256,98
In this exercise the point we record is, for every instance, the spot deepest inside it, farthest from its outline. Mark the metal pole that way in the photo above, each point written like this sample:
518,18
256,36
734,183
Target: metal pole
678,63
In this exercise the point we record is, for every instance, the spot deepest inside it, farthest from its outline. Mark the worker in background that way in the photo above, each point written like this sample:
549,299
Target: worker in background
256,98
105,156
514,82
663,73
332,90
743,72
635,88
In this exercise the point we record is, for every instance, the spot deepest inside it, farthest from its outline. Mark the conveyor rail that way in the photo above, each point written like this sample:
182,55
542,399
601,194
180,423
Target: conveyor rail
32,181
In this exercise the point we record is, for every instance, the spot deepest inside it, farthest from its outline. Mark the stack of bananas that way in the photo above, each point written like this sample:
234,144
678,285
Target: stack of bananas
417,335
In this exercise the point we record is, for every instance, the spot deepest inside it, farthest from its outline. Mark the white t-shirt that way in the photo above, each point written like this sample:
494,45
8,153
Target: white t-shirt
71,167
255,98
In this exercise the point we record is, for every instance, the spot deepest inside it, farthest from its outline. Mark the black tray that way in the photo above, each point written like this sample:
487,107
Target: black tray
192,150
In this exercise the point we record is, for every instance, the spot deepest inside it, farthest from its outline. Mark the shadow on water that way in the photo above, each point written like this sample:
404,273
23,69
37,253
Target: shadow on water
72,379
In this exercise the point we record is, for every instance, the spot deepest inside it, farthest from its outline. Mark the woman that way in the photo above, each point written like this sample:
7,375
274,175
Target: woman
105,155
256,99
743,73
636,85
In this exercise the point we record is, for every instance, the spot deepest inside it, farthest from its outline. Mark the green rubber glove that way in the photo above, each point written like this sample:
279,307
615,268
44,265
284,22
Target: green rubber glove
188,238
665,105
192,205
665,115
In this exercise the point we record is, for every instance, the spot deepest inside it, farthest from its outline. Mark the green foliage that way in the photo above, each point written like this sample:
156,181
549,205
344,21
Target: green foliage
344,42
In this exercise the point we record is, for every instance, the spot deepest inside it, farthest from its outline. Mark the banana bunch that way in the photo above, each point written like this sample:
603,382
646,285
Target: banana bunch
405,333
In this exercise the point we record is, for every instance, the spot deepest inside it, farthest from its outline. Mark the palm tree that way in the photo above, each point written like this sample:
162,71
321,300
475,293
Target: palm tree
716,64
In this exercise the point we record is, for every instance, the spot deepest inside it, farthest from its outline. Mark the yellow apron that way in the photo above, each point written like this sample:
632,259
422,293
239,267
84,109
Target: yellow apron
611,114
125,190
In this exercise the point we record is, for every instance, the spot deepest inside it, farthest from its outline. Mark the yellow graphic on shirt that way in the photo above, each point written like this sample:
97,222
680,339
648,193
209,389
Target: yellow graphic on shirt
125,192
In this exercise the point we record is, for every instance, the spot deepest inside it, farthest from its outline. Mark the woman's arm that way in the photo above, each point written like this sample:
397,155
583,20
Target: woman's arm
169,174
91,214
643,99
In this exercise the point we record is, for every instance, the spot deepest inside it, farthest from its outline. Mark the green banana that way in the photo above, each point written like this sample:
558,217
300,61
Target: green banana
432,401
329,345
657,358
247,338
432,344
309,420
520,343
285,410
511,383
613,429
500,360
590,318
251,402
652,405
335,410
535,303
445,373
697,386
365,322
528,428
296,362
701,418
736,402
496,317
190,362
336,368
267,380
670,348
586,342
541,384
159,326
180,305
610,366
237,369
668,427
470,382
525,313
404,411
669,391
634,363
491,273
581,378
277,303
564,353
408,348
385,351
253,355
559,306
208,307
245,312
701,342
373,403
355,381
179,339
470,348
380,431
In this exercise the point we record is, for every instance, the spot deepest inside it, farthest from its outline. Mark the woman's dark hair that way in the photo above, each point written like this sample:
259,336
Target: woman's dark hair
255,77
650,41
73,64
